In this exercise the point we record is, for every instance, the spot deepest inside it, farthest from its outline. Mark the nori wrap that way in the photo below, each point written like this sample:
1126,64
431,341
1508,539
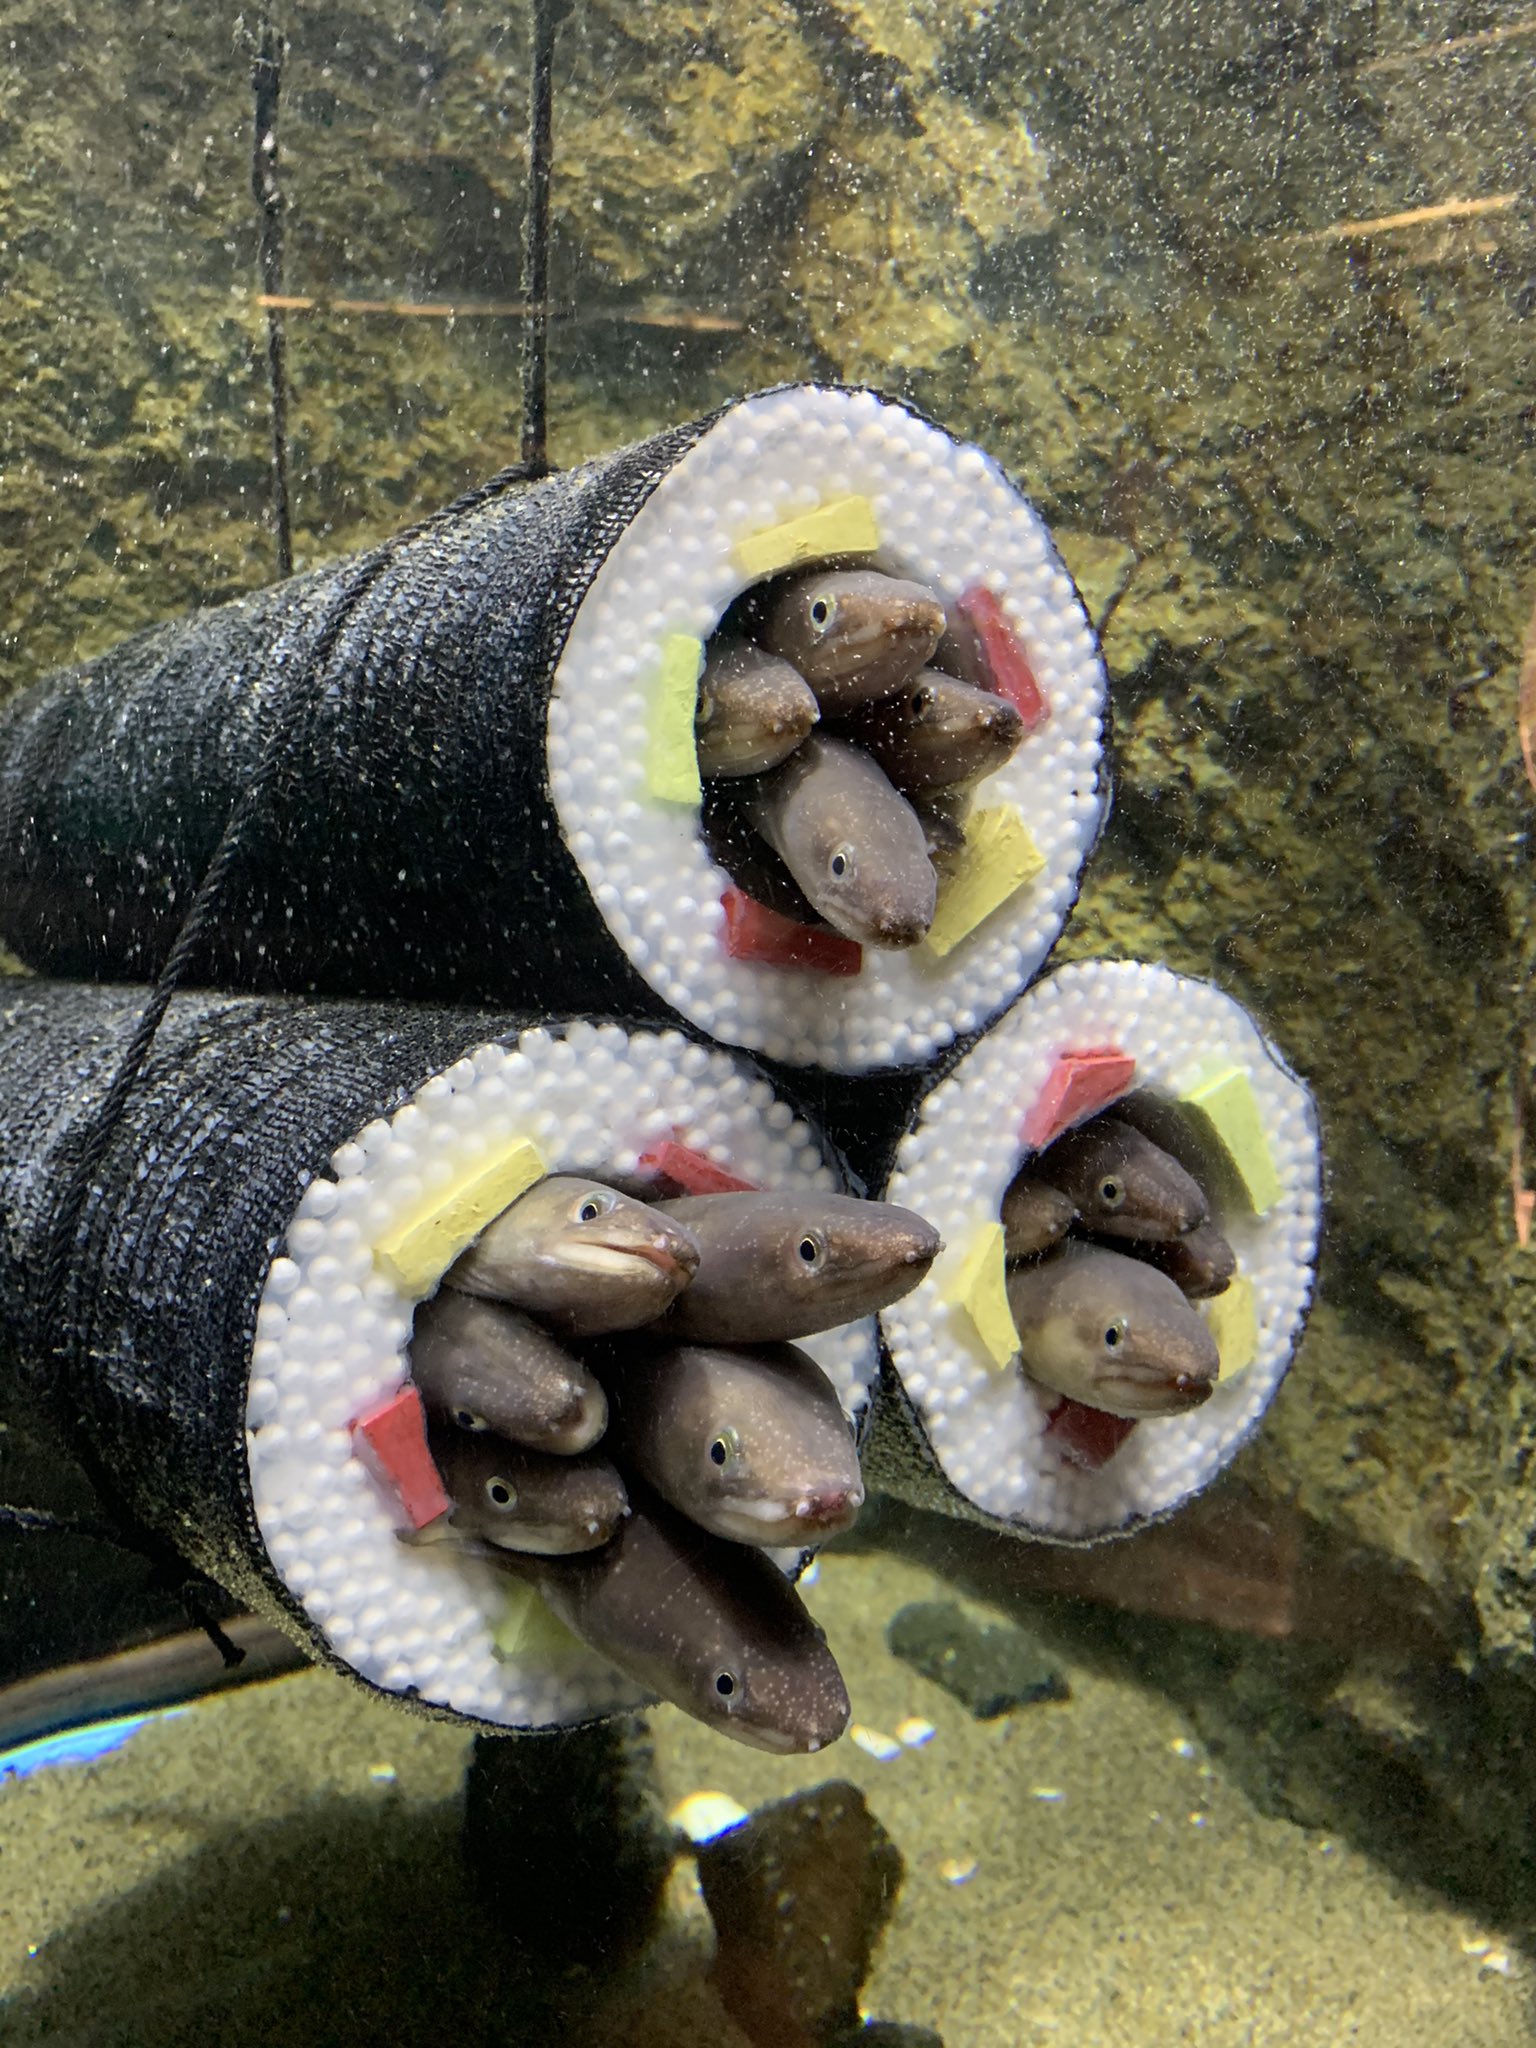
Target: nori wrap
240,1289
957,1427
465,758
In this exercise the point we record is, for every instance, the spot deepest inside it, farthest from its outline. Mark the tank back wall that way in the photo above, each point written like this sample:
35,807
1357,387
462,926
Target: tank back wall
1240,295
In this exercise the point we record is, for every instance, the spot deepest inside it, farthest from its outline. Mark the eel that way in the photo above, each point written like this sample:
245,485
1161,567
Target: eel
850,839
1034,1216
753,866
486,1367
712,1626
514,1499
754,709
854,634
580,1254
1121,1183
938,733
782,1265
1200,1264
1111,1332
751,1445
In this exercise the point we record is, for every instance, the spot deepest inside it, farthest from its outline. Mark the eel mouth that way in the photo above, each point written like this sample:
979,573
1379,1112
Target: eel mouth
827,1511
810,1515
785,1742
1144,1396
619,1259
663,1258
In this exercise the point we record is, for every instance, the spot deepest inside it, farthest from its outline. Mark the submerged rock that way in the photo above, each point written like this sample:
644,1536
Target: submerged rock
799,1895
990,1667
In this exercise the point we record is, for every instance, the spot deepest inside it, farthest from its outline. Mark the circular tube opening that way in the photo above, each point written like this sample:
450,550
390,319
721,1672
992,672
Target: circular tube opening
768,477
1190,1067
334,1327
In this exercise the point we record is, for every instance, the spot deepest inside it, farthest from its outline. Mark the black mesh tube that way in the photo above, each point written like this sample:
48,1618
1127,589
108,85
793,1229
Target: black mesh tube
288,1180
462,767
408,846
147,1368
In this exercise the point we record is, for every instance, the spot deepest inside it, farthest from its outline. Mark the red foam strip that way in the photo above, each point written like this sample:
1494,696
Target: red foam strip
1078,1084
691,1172
1087,1436
391,1441
1004,664
754,932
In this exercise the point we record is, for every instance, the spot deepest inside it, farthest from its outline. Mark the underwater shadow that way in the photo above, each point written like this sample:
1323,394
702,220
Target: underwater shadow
345,1925
1353,1709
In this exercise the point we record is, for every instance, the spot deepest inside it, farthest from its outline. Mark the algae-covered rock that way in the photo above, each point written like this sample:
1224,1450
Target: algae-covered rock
897,224
799,1895
679,134
991,1667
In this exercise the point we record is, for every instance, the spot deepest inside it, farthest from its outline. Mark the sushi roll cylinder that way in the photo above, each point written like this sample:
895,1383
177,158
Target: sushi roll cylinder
958,1427
488,787
287,1181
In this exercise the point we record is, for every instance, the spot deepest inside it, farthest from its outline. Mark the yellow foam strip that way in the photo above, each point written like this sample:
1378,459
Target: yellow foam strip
844,526
672,754
419,1253
1225,1097
981,1291
1233,1320
527,1628
998,858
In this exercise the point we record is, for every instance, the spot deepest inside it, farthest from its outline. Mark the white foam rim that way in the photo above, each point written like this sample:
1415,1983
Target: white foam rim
987,1427
333,1331
947,516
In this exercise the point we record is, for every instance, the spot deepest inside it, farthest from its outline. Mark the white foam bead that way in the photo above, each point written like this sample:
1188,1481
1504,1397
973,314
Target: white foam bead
262,1400
271,1322
282,1277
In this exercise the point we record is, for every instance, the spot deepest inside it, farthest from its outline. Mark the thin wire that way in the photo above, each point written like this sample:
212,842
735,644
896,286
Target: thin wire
266,83
535,443
45,1522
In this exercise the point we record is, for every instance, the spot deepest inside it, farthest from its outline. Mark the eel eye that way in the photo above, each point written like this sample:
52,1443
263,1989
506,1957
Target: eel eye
841,863
719,1451
1114,1336
725,1684
821,613
501,1493
590,1209
812,1250
1112,1192
466,1418
704,710
922,698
